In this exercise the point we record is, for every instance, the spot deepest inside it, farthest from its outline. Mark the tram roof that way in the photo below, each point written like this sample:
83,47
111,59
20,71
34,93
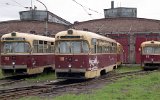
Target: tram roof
119,44
28,36
150,42
85,34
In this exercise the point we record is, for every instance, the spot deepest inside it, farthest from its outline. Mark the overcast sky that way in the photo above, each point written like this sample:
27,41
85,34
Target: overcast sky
72,11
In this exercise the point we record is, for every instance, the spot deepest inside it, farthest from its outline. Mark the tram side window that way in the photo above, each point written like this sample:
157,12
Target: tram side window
45,47
94,49
114,49
35,46
40,46
48,47
85,47
94,43
109,48
99,47
104,49
52,47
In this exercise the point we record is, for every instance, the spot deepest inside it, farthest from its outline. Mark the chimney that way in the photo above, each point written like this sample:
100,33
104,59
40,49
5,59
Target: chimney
112,4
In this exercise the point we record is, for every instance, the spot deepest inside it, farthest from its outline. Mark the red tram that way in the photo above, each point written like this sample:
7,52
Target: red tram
150,55
23,53
83,55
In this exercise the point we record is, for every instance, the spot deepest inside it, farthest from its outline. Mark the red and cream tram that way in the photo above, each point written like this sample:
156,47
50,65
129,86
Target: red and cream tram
83,55
24,53
150,55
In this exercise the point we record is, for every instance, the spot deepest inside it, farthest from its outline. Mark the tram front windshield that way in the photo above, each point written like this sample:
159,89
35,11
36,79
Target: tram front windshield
15,47
72,47
151,50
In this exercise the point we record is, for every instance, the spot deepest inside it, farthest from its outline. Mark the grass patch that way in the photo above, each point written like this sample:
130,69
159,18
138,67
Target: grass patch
40,77
123,69
145,87
136,87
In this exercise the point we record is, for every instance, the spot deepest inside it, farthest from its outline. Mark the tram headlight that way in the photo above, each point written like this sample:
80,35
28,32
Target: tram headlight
90,69
34,63
13,63
152,59
69,65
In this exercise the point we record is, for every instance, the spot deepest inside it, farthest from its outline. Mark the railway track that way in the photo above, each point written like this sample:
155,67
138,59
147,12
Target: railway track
57,89
10,80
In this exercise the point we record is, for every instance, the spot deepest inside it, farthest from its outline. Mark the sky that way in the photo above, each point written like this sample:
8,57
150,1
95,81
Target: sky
78,10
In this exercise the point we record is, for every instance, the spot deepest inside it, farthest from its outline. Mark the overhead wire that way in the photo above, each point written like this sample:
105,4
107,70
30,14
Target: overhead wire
87,7
83,8
18,3
9,4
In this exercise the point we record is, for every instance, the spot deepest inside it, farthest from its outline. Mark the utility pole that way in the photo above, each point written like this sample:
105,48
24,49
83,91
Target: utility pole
46,20
31,4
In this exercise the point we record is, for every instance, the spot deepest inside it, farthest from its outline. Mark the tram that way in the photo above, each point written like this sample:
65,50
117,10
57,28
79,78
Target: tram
25,53
82,54
150,55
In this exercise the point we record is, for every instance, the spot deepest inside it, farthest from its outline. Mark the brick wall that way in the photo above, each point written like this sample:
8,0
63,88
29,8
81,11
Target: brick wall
27,26
120,25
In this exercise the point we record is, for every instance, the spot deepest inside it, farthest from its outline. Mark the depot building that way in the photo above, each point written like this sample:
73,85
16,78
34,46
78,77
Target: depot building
119,23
